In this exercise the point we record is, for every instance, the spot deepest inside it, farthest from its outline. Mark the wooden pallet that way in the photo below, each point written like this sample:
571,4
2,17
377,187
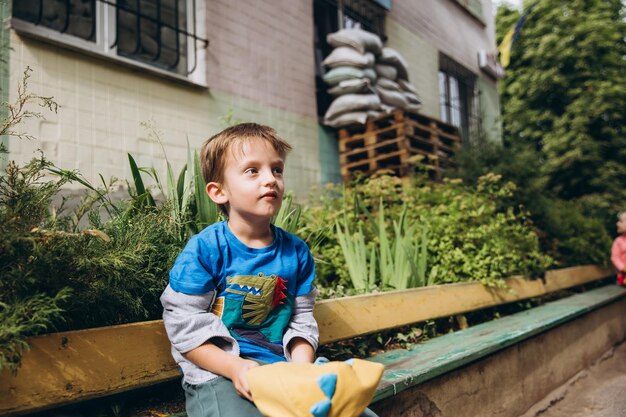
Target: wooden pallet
390,141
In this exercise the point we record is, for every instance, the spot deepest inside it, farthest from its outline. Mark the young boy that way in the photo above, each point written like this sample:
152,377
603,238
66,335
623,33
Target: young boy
241,292
618,251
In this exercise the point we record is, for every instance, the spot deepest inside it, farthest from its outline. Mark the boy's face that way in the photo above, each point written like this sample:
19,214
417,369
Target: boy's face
252,188
621,224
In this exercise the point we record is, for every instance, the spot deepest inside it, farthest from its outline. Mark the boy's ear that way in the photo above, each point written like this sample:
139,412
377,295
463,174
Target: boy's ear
216,193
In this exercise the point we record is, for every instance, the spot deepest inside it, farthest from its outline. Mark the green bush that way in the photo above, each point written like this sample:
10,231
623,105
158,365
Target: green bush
119,265
473,233
572,232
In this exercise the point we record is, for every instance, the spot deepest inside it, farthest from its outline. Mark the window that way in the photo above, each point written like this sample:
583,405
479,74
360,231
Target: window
365,14
458,97
160,34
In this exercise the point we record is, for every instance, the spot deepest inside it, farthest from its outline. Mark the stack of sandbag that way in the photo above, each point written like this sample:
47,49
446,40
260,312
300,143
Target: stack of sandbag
351,76
392,84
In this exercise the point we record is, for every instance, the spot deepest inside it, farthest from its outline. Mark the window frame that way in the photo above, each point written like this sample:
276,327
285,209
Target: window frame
466,102
105,20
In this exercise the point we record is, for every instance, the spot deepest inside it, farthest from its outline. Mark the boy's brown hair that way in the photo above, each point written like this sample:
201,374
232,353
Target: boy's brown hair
215,149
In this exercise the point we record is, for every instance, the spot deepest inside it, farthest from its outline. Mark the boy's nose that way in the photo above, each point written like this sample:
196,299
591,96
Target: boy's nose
269,179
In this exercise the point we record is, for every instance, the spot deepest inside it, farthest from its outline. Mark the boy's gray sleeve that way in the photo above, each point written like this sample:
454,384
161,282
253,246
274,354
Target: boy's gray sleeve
302,323
189,322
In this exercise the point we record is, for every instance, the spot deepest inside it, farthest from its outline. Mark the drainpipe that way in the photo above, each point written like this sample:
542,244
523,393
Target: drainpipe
339,14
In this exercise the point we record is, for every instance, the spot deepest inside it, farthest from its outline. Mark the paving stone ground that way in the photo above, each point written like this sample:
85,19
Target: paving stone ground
599,391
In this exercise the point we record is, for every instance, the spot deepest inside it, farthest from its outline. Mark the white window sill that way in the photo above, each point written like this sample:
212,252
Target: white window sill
196,79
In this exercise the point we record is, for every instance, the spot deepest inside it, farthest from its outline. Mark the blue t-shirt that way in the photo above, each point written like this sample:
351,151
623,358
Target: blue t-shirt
255,288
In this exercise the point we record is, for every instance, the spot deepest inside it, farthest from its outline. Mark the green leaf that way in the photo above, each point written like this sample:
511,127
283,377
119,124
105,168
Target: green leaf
143,196
208,211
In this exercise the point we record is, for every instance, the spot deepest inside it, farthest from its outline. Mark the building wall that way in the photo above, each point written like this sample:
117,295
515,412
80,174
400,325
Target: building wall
5,55
448,27
420,29
103,104
259,66
263,51
422,61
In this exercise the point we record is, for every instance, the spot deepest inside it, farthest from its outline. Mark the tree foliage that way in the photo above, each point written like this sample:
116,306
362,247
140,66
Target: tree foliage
563,99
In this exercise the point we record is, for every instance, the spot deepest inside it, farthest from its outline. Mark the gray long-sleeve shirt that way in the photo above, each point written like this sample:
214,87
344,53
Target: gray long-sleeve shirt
189,323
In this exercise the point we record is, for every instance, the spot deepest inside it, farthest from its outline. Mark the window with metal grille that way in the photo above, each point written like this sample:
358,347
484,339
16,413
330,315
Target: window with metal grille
458,97
365,14
162,34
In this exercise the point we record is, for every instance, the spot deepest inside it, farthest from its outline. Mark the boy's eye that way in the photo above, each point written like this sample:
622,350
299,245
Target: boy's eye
278,170
251,171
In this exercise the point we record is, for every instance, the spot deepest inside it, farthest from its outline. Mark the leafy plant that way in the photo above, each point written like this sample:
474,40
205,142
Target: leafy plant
463,233
19,110
207,211
25,317
191,208
288,217
402,257
360,262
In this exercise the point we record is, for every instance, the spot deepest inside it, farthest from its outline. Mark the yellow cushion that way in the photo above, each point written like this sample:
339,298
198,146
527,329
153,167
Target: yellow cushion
333,389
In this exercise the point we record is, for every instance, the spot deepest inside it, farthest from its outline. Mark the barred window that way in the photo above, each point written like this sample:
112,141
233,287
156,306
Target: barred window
458,97
162,34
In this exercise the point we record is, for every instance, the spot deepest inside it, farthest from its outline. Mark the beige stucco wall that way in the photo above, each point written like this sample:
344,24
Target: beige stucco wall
421,29
449,28
423,63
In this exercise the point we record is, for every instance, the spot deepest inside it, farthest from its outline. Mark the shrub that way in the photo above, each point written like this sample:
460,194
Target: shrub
473,233
119,265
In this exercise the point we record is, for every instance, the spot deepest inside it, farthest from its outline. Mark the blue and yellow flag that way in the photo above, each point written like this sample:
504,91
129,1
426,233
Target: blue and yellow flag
511,35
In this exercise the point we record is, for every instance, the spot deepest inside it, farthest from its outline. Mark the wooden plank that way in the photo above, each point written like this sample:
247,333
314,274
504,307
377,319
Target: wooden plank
443,354
349,157
72,366
69,366
371,136
563,278
374,160
348,317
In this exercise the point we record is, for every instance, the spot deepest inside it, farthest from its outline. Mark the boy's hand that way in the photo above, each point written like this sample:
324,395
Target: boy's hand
238,376
213,359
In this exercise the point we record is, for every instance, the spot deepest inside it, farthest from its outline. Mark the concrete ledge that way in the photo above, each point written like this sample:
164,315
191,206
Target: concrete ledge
506,372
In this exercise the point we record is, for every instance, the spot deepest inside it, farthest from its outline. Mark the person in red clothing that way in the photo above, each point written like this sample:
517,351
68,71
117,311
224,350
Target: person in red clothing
618,251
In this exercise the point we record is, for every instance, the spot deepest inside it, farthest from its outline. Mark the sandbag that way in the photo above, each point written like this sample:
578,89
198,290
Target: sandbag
412,98
392,98
351,86
386,71
338,74
413,107
372,114
392,57
405,85
347,119
386,108
352,102
388,84
370,74
358,39
346,56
